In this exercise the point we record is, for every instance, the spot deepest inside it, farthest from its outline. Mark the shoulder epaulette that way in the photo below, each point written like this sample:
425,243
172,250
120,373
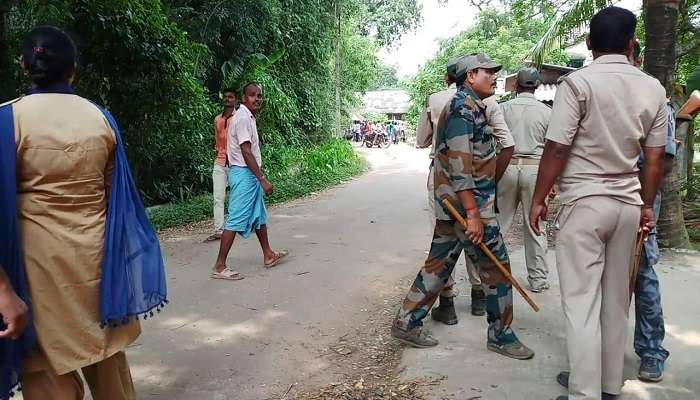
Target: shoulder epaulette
571,73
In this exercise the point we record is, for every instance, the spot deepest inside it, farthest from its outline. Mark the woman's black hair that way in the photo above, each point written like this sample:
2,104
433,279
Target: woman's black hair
49,55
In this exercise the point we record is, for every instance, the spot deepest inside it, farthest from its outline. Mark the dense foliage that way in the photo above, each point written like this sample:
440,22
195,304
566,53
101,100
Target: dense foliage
301,171
159,66
506,36
386,78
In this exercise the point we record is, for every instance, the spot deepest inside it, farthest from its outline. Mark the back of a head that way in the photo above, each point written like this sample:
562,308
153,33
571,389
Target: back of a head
49,55
611,30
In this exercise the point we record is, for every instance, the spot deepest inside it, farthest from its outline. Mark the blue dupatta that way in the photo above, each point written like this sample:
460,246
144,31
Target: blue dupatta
133,271
11,261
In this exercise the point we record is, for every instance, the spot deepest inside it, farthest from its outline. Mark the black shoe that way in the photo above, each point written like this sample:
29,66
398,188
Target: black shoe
563,379
478,301
606,396
445,311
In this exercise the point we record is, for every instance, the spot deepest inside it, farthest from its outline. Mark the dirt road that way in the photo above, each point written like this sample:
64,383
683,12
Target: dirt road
352,249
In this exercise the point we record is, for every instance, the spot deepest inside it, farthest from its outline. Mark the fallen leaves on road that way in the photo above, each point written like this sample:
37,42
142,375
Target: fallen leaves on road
370,360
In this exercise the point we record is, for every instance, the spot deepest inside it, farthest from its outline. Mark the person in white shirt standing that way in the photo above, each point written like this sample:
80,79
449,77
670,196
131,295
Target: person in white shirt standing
246,211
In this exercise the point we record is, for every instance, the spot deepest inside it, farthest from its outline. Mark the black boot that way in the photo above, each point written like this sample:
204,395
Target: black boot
445,311
478,301
563,379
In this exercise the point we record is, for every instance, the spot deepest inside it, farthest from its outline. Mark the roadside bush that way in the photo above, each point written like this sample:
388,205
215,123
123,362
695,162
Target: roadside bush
293,172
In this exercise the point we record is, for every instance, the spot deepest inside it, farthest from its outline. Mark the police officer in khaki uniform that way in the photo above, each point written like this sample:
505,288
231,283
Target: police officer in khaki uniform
594,139
425,136
527,121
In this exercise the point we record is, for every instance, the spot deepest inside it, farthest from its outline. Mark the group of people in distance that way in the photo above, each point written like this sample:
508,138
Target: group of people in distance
606,152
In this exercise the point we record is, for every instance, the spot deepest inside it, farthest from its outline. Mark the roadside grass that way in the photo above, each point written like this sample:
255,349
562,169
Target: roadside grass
296,172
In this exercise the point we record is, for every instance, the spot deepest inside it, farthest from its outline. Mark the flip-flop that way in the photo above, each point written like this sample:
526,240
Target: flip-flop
227,274
278,258
213,238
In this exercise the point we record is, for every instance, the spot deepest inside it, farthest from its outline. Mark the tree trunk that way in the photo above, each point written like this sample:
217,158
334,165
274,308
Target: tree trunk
337,71
661,20
691,194
671,225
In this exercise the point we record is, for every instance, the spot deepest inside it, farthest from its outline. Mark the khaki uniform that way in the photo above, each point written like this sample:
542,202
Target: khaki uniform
425,136
527,121
64,164
606,128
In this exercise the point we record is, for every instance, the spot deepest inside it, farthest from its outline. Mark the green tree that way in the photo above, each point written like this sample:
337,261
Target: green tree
663,22
135,55
385,78
504,36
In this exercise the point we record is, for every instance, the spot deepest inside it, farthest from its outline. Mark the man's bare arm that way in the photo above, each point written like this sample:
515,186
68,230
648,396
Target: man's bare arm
652,173
250,161
504,157
475,228
552,164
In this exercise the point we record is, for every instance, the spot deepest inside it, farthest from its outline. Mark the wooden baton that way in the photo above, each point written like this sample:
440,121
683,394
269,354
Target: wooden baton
492,257
634,269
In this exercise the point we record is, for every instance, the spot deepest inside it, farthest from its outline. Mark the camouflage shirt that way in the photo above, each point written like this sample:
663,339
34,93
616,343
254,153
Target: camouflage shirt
465,155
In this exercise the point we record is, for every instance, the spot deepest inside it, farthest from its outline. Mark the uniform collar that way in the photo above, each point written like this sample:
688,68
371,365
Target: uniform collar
469,92
527,95
452,86
611,59
61,88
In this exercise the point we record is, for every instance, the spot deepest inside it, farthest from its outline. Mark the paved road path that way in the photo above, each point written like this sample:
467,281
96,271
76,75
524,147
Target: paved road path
472,372
354,247
252,339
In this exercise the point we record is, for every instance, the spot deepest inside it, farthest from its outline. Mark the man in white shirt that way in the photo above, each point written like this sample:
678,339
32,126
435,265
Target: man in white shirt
246,211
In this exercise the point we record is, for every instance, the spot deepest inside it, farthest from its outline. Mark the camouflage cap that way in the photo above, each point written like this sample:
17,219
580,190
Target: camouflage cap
528,78
452,67
475,61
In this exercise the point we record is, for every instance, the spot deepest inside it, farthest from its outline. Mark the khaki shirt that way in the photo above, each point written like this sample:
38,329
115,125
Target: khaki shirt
64,164
527,120
496,120
427,125
606,112
436,103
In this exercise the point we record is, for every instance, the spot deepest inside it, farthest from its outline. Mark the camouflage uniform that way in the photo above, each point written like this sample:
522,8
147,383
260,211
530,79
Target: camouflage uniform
465,160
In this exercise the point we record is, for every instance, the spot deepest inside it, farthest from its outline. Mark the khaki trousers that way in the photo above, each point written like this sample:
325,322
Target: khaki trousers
220,180
473,274
595,246
109,379
517,187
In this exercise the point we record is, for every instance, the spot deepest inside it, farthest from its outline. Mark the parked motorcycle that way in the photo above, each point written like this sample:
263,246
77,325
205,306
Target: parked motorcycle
378,139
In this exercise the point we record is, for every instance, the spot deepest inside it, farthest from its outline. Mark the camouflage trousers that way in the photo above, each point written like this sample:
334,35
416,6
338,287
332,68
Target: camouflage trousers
649,317
449,240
